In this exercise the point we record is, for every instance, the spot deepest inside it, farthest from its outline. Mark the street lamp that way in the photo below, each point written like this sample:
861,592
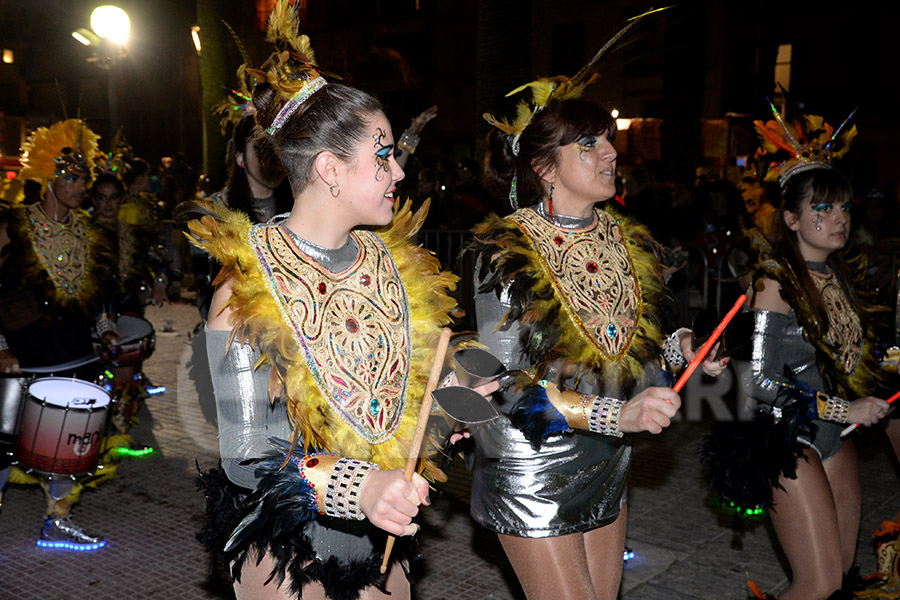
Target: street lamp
111,27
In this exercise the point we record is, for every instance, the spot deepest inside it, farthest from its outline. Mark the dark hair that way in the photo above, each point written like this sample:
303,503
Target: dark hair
819,185
135,168
558,124
239,195
107,178
335,119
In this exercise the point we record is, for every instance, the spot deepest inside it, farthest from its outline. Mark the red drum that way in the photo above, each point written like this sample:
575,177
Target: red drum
62,426
138,341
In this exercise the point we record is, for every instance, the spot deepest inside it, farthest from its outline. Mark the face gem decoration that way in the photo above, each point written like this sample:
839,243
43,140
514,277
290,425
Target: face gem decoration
382,154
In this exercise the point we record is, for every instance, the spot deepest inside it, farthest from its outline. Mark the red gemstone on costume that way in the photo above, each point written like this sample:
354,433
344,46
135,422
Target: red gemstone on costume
352,325
312,462
322,288
592,267
558,240
365,280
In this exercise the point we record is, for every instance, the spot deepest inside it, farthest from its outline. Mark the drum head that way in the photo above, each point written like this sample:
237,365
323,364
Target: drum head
66,392
133,327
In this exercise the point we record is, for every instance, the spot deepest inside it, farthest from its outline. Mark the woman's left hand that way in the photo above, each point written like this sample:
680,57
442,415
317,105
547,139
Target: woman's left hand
713,368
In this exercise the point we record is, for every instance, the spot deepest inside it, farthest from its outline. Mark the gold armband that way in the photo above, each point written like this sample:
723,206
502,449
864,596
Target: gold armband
588,413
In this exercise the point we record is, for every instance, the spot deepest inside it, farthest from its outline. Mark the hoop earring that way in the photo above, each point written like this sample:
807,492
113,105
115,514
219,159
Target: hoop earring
331,189
550,200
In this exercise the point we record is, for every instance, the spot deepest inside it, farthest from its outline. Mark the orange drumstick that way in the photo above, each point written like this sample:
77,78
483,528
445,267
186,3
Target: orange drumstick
705,348
855,425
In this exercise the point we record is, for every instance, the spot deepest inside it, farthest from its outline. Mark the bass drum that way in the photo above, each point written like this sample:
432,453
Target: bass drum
62,426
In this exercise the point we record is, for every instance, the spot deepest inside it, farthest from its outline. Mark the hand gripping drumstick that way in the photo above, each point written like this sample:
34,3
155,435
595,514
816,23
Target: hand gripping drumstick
707,346
849,429
421,425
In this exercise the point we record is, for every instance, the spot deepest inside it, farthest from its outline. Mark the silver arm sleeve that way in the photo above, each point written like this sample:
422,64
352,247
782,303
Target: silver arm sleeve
778,342
246,417
489,312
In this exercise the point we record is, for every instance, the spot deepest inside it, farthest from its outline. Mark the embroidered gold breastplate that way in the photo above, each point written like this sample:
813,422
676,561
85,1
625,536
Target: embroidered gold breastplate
352,327
593,277
844,328
62,249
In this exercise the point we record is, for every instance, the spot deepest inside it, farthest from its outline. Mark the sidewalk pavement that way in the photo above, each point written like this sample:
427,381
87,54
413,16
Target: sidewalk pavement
684,547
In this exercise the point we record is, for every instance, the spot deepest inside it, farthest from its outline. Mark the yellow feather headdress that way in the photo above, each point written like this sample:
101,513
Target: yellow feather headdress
239,102
547,89
291,70
52,151
807,141
114,162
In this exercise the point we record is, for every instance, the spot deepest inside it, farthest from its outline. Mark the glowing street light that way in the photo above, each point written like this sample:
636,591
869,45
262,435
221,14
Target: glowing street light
112,23
195,35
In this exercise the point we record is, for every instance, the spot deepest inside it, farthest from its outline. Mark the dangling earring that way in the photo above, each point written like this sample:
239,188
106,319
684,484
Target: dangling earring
550,200
334,189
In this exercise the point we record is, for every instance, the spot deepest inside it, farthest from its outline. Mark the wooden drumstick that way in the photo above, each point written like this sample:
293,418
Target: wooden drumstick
421,426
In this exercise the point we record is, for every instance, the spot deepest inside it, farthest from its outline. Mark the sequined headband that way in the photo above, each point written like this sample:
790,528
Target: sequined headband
291,106
70,159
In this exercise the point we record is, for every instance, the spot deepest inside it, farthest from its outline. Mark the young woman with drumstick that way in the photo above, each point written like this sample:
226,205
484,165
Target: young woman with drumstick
322,334
572,294
812,368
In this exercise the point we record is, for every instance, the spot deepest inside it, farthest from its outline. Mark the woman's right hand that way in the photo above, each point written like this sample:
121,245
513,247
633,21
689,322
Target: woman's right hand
651,410
390,502
867,411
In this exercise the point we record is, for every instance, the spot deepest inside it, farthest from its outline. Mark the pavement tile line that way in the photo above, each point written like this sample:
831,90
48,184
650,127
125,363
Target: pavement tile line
151,512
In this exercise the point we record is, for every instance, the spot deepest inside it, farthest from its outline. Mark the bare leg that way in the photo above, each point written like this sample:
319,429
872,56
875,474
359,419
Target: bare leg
253,585
806,521
554,568
842,471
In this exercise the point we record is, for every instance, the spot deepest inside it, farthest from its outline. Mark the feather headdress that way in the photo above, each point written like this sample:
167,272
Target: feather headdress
114,162
546,89
291,70
53,151
239,103
801,143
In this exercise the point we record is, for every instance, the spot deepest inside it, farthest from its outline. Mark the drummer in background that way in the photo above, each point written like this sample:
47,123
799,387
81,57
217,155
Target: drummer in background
131,229
52,283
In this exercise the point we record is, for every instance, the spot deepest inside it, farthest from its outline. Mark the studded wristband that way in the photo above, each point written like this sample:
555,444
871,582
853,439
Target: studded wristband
832,408
344,484
604,417
105,324
672,349
408,141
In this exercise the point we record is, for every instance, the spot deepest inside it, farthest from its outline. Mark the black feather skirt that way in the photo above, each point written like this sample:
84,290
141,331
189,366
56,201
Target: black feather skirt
308,553
746,460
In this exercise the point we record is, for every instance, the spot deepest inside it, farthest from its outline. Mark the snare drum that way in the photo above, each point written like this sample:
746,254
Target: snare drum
62,426
138,341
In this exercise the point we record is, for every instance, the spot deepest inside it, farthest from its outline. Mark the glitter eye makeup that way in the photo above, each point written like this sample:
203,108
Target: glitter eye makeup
585,143
822,207
73,178
382,154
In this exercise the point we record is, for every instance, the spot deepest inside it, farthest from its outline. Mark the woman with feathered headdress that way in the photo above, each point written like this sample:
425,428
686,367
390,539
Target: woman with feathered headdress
320,334
572,294
812,368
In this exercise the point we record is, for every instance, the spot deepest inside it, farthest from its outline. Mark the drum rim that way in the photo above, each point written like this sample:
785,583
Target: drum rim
69,380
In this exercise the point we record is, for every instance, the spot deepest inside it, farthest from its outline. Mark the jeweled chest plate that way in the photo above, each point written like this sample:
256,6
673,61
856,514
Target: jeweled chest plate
352,327
593,276
844,328
62,249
